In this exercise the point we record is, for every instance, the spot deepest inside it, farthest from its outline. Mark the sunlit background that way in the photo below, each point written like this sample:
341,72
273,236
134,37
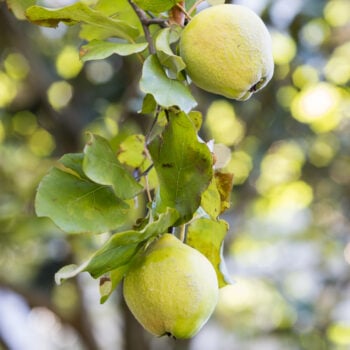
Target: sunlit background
288,248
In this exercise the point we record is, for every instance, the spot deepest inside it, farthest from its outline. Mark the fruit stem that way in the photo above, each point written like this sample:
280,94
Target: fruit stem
179,232
182,233
177,14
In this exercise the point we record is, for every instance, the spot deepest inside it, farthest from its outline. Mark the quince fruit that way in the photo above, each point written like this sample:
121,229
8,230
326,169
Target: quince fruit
171,289
227,50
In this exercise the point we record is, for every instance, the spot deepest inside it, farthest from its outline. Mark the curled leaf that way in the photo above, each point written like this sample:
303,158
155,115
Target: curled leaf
167,92
207,236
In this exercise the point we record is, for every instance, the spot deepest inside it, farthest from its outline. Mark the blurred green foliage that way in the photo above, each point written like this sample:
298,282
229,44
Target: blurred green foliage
288,250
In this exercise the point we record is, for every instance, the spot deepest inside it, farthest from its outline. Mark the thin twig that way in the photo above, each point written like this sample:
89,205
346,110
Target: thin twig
144,19
158,109
148,191
144,173
146,22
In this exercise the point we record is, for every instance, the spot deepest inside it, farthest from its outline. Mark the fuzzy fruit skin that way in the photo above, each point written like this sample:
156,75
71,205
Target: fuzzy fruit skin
227,51
171,289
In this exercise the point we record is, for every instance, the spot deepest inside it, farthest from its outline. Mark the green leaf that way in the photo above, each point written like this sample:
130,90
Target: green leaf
102,166
106,288
167,58
121,10
211,200
156,6
109,283
132,150
76,204
183,165
122,247
149,104
167,92
207,237
196,118
81,13
69,271
18,7
98,49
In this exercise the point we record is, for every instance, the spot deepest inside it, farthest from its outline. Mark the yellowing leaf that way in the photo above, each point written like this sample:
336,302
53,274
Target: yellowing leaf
207,236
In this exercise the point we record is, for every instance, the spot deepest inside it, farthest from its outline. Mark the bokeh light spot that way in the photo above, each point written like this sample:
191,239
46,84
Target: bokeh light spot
339,333
223,124
283,48
24,123
285,96
41,143
240,165
337,69
323,150
238,302
99,72
16,66
318,105
280,165
68,64
59,94
8,90
305,75
315,32
337,12
293,196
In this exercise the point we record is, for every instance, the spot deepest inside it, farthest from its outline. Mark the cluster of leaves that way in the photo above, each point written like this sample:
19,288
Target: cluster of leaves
100,190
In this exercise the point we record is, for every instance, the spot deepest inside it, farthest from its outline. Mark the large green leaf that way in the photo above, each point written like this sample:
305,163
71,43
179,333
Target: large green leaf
183,165
76,204
207,236
120,9
167,92
81,13
156,6
102,166
117,253
98,49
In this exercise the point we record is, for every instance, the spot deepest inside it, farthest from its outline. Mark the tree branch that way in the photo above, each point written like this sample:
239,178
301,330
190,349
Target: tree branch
146,22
